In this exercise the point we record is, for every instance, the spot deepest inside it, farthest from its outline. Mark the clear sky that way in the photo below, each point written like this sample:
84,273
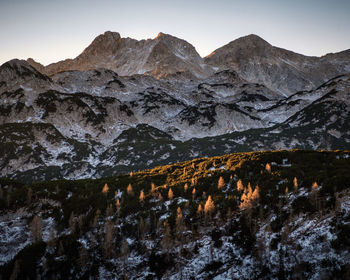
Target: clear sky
50,30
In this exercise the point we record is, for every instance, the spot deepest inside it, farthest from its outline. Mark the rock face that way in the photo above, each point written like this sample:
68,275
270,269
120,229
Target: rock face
82,124
161,56
281,70
166,56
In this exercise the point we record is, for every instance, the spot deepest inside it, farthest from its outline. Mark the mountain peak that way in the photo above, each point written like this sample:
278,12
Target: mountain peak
105,43
251,40
160,34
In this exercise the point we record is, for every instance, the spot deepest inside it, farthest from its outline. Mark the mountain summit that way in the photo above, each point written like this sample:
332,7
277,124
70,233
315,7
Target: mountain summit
161,56
281,70
253,58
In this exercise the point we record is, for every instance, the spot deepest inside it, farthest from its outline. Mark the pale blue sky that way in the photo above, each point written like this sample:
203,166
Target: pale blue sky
50,30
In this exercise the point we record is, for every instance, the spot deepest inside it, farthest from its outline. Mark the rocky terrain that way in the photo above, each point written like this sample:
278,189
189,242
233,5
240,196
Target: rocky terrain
201,213
262,215
161,56
82,124
251,57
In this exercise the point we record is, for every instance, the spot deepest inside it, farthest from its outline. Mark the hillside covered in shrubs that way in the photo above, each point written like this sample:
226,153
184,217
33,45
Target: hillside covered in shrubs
259,215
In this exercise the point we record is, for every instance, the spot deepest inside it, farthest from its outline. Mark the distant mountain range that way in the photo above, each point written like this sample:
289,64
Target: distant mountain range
125,105
251,57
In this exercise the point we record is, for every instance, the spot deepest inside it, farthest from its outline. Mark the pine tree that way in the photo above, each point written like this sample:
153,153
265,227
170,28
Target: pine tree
83,257
170,194
61,250
186,187
179,222
108,246
16,271
129,190
72,223
240,186
268,167
117,203
221,183
96,218
199,210
193,193
153,189
167,239
105,189
51,242
256,193
109,210
35,229
141,228
295,183
29,196
142,197
209,206
124,251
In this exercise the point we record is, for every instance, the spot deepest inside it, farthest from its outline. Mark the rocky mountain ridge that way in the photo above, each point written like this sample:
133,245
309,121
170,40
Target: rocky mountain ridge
251,57
79,124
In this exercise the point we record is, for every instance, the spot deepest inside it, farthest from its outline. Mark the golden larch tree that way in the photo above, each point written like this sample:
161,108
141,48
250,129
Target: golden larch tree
240,186
295,183
199,209
209,206
170,194
105,189
129,190
142,196
117,203
221,183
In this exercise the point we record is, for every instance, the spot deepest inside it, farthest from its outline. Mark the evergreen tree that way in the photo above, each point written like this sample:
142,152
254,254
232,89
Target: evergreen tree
105,189
129,190
35,229
221,183
142,197
170,194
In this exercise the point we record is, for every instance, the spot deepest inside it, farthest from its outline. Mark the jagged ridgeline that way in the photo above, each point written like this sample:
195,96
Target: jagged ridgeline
261,215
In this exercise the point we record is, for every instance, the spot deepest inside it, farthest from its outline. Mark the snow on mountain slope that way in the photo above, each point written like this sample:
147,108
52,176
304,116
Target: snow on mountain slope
281,70
97,109
288,221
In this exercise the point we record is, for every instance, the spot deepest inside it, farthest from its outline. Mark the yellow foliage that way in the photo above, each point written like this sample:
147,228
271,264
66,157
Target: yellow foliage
142,196
240,186
200,209
170,194
221,183
129,189
105,189
295,183
209,206
117,203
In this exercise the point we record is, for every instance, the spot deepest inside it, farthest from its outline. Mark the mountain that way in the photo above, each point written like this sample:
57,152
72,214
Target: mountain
166,56
281,70
162,56
95,123
261,215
